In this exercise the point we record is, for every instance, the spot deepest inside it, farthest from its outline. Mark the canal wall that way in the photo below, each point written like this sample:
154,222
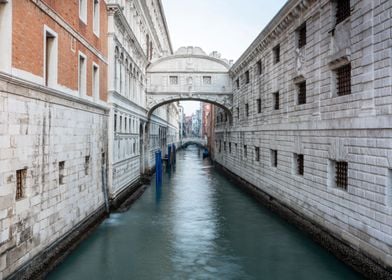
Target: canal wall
312,119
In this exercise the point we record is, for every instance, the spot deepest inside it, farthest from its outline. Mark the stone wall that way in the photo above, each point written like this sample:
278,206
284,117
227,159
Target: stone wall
327,129
39,129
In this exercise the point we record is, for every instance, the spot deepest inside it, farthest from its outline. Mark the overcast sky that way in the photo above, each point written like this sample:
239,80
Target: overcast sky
226,26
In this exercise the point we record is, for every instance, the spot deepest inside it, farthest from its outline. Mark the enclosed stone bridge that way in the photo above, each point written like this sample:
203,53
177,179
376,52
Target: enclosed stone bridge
194,140
189,74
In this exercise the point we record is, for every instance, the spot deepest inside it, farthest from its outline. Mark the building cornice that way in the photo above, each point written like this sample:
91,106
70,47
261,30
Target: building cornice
162,12
279,24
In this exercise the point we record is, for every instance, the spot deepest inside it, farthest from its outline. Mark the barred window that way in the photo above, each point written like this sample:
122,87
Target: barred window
275,97
302,36
20,183
301,93
299,164
247,109
173,80
274,158
224,146
237,82
343,80
61,172
341,174
247,77
258,101
238,113
245,151
276,54
230,147
343,10
257,153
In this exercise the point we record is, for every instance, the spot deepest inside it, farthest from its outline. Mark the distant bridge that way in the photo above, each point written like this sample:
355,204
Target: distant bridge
194,140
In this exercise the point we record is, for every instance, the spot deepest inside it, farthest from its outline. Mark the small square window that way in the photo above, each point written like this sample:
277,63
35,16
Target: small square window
301,36
276,54
343,10
343,80
206,80
20,183
301,88
274,158
247,77
275,97
258,102
173,80
257,153
299,164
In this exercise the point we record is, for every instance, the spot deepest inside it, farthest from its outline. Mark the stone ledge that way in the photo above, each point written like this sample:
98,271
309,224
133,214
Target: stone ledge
358,260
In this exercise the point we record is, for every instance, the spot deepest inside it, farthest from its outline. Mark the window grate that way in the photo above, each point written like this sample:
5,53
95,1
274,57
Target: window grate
247,109
274,158
301,93
259,68
343,10
300,164
258,105
276,100
257,152
245,151
341,174
20,183
276,52
343,77
302,36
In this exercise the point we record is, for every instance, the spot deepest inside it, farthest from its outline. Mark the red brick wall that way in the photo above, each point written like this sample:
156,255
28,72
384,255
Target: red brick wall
28,41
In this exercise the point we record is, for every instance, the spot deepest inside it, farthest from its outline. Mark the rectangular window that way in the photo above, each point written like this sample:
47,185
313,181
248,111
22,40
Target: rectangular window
338,174
50,69
237,82
236,148
95,83
343,10
82,75
20,183
238,112
173,80
247,109
224,146
115,123
301,88
83,10
61,172
206,80
276,54
299,164
343,80
274,158
245,151
259,67
230,147
86,165
247,77
275,97
257,153
302,36
258,102
120,129
103,158
96,15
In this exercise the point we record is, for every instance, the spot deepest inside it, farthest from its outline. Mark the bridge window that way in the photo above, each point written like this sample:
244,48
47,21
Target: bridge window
61,172
20,183
343,10
247,77
275,97
299,164
274,158
258,102
257,153
276,54
301,91
174,80
301,32
206,80
259,67
343,80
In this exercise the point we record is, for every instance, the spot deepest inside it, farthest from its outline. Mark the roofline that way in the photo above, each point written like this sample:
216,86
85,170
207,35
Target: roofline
165,24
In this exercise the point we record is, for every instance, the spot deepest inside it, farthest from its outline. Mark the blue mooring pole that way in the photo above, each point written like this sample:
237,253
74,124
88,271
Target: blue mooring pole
174,153
158,168
168,156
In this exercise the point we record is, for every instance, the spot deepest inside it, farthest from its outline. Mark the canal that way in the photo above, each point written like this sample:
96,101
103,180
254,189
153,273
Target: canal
199,225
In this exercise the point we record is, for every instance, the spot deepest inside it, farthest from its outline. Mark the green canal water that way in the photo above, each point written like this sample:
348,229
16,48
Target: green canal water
199,225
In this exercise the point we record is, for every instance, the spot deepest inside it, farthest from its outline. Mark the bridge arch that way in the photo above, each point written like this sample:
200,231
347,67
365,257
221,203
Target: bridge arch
189,74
